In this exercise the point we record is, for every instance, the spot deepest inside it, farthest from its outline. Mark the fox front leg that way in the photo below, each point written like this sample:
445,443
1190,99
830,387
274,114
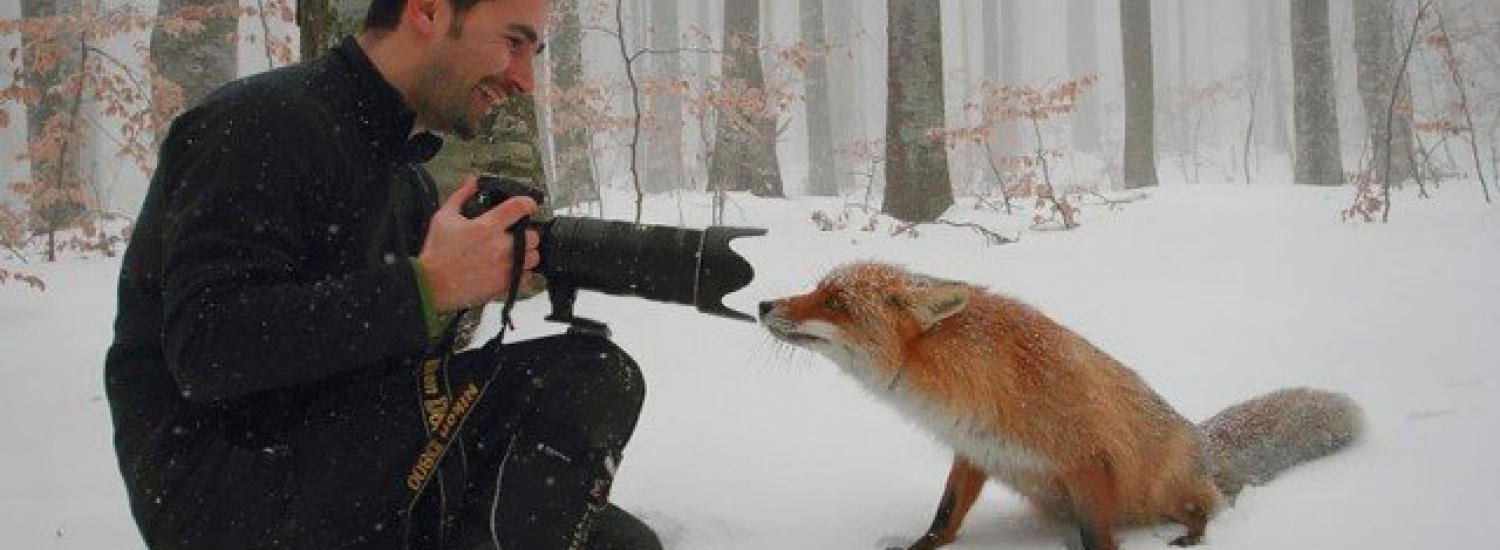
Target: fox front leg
964,484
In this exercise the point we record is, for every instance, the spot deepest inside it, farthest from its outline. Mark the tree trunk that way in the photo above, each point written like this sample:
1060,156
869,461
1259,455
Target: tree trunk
745,153
1379,71
573,181
323,23
989,21
1140,94
844,82
1318,160
821,181
55,199
1281,133
1010,131
1179,131
917,186
662,150
193,63
506,145
1083,60
48,80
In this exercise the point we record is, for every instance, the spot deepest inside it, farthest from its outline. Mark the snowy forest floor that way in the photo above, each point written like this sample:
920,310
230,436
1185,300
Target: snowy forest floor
1213,294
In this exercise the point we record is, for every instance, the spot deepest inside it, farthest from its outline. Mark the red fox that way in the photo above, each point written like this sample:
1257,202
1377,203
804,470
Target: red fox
1027,402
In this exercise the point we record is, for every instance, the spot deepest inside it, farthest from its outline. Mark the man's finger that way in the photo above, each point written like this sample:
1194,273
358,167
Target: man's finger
466,188
509,212
533,239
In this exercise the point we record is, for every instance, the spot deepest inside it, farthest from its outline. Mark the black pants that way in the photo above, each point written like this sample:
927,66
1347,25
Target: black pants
541,457
530,470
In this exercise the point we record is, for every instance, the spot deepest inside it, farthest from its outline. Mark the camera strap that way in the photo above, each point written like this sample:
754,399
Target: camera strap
443,412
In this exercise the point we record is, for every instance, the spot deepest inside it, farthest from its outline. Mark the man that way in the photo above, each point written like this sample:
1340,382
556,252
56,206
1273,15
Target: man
281,305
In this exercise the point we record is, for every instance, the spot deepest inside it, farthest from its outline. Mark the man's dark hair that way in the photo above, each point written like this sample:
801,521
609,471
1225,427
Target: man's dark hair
385,14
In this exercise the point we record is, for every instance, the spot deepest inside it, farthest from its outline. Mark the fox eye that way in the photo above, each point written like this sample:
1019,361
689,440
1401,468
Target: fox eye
835,304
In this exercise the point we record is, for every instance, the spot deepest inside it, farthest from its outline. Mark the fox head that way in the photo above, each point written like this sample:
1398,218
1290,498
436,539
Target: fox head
862,315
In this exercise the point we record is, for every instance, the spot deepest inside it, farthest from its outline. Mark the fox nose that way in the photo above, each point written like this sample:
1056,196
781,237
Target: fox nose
766,307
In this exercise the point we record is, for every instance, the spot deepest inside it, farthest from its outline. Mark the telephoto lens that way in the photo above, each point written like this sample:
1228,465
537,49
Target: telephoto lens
666,264
656,262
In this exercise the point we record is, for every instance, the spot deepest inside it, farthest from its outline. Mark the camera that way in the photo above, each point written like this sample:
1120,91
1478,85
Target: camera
660,263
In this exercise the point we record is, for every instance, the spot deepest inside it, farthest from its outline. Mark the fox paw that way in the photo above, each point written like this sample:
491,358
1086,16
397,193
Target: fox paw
927,542
1187,540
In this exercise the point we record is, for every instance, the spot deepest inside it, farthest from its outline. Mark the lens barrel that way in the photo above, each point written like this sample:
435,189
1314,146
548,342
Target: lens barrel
656,262
661,263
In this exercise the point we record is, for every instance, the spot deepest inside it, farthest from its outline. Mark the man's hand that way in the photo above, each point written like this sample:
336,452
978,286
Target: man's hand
468,262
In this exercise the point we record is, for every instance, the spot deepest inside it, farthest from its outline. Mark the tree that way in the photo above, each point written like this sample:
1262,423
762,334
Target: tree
74,86
744,156
992,52
846,81
1004,65
1029,175
505,145
917,185
193,48
1140,94
661,151
567,103
51,116
324,22
1317,154
1278,70
1379,73
821,181
1083,61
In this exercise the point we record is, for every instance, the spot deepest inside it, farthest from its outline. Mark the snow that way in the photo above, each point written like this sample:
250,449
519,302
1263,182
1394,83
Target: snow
1213,294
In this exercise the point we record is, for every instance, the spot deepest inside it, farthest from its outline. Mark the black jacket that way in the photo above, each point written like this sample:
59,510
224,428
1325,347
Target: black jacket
271,263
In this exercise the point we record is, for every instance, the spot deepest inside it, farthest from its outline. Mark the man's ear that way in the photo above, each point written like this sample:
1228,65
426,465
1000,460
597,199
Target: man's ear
935,303
423,15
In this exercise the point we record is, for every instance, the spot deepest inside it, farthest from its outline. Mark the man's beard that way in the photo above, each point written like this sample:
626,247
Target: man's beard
448,114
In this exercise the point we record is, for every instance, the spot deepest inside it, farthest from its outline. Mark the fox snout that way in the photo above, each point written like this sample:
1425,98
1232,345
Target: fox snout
774,316
766,307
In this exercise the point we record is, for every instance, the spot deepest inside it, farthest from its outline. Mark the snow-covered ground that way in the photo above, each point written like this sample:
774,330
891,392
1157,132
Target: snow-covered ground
1213,294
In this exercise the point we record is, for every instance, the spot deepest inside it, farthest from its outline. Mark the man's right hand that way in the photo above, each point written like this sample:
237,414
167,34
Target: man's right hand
468,261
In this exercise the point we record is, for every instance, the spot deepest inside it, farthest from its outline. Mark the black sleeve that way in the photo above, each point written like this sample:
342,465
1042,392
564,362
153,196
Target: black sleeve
243,311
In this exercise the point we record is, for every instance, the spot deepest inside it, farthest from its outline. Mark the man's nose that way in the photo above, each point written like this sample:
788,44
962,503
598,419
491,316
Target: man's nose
521,73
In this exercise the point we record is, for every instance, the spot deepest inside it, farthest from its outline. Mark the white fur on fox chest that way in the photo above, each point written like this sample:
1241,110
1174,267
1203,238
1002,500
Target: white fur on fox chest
970,438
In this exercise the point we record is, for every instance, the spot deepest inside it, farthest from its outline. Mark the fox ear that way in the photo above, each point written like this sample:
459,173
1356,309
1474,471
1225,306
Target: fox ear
935,303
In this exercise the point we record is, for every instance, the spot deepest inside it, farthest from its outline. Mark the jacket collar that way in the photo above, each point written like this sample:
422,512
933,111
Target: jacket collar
379,111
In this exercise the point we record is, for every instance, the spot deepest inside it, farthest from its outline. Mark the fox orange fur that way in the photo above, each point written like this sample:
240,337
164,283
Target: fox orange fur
1027,402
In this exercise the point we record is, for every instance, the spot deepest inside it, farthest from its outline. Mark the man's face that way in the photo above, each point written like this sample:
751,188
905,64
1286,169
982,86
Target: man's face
482,56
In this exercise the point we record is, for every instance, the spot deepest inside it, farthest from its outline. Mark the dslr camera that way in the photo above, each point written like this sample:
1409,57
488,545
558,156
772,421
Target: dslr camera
660,263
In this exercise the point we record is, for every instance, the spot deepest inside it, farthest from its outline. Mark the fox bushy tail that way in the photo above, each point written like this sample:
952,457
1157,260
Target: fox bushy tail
1252,442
